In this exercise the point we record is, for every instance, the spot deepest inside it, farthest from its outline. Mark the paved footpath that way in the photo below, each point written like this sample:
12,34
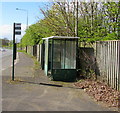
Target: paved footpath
33,91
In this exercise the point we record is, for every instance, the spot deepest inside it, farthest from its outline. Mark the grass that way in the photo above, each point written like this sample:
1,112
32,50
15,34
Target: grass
23,51
16,81
36,63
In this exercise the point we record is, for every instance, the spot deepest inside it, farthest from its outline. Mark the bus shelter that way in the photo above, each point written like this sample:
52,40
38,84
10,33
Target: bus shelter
60,57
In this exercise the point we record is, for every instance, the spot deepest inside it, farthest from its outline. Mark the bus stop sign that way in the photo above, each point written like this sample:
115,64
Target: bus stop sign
17,28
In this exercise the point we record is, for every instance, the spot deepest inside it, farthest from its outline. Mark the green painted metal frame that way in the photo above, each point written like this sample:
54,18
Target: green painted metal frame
43,55
77,54
52,55
68,75
46,56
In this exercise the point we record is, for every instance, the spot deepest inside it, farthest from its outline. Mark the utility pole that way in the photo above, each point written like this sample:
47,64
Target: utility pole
76,17
25,10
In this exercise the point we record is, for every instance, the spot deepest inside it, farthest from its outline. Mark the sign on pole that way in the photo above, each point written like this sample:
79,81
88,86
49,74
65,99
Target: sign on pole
17,28
16,31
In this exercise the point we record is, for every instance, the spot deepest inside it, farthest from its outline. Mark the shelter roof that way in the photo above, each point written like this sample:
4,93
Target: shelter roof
60,37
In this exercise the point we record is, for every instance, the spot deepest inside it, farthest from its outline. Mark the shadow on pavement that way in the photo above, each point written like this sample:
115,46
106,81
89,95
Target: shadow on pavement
46,84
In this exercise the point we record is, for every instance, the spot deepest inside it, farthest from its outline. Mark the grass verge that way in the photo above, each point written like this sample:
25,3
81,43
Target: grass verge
36,63
23,51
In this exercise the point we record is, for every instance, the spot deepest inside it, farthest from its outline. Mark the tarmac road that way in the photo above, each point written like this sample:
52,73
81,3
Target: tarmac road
5,59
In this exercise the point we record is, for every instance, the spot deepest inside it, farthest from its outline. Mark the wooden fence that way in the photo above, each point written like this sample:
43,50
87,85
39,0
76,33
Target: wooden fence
108,62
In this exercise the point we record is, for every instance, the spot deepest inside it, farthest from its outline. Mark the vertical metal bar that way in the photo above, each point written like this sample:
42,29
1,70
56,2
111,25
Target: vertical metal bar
39,52
13,51
52,44
64,53
43,54
76,54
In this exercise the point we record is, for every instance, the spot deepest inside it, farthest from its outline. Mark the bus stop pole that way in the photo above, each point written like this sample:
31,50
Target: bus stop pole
13,51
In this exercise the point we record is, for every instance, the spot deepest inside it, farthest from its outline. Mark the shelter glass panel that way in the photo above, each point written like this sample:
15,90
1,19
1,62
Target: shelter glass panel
64,54
70,58
56,55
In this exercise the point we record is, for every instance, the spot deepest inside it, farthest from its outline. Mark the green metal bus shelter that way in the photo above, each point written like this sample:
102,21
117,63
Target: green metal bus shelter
60,57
